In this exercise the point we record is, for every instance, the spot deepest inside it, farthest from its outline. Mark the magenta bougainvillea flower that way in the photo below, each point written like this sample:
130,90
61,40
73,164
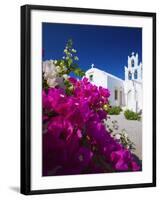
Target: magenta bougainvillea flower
75,140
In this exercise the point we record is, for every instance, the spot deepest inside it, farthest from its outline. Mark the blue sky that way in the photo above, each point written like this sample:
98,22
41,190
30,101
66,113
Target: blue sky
106,46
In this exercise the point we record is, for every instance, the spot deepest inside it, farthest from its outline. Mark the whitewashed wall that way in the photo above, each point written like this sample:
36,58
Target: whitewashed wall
101,78
115,84
133,95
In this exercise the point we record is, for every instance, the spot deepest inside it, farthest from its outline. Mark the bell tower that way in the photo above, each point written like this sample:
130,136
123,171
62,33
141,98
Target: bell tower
134,70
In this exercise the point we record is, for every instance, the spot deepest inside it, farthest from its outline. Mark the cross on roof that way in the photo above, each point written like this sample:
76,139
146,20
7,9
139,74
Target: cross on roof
92,65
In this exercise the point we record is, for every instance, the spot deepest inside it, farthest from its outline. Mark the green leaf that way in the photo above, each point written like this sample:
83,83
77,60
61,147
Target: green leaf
70,61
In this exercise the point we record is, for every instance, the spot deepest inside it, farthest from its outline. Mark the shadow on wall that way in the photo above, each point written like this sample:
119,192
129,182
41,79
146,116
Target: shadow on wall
15,188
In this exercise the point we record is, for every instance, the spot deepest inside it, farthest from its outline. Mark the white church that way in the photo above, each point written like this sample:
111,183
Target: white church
124,93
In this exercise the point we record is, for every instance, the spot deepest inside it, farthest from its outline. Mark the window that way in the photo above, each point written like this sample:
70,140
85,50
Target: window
116,94
129,76
132,63
91,77
135,74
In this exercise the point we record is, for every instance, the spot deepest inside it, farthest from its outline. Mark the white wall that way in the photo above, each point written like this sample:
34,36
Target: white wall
139,89
99,77
112,85
132,97
10,95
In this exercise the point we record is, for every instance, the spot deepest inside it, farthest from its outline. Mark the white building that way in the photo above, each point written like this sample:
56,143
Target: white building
125,93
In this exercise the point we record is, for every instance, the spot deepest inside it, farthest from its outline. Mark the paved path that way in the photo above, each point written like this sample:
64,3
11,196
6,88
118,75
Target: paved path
134,131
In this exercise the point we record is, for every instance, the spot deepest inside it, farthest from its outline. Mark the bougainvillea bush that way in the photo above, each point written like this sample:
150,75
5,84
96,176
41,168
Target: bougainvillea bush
75,138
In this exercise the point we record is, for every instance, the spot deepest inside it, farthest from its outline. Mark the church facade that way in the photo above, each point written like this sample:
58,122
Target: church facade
125,93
